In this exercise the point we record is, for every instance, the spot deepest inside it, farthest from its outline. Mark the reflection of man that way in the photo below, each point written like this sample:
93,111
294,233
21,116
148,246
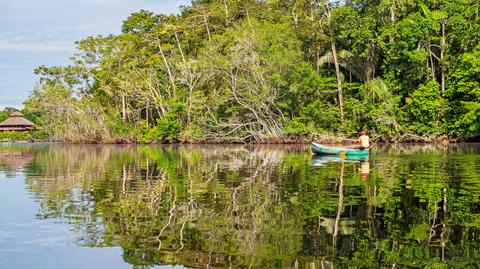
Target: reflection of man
364,170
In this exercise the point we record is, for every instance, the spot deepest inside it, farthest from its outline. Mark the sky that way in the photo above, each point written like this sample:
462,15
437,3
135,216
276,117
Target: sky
43,32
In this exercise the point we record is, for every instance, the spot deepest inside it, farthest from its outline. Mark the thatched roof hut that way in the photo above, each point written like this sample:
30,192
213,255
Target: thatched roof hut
16,122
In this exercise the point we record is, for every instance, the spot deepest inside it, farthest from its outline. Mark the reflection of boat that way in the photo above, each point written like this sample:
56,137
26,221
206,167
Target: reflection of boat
321,160
327,150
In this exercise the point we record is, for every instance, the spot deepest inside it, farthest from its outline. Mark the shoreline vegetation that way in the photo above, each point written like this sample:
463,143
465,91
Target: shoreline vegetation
271,72
31,137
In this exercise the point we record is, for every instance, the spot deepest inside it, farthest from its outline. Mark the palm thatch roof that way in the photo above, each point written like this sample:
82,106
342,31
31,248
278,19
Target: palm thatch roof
16,119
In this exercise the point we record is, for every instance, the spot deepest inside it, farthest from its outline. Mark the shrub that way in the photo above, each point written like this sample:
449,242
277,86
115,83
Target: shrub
39,135
14,136
424,108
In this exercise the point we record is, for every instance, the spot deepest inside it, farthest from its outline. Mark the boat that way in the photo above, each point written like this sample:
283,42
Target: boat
328,150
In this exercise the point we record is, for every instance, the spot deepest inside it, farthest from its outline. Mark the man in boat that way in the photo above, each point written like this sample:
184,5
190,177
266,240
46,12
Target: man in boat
364,140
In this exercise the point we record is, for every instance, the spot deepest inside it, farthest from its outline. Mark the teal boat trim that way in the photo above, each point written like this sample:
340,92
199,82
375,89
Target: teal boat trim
327,150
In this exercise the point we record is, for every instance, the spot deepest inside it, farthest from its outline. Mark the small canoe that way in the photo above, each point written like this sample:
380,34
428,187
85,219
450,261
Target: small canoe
327,150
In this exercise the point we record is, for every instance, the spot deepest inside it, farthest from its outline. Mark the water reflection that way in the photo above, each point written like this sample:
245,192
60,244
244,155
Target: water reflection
14,159
260,206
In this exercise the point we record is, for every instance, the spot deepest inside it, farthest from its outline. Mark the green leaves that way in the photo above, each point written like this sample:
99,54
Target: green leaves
142,22
424,108
376,89
465,91
166,129
425,10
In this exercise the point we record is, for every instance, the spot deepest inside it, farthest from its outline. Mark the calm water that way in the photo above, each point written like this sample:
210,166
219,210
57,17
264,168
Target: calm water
67,206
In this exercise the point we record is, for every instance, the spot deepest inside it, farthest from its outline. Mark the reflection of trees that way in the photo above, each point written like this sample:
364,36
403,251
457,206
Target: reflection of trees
340,206
262,206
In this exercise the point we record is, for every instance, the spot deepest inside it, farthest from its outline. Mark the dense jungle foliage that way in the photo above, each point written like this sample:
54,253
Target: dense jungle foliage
264,71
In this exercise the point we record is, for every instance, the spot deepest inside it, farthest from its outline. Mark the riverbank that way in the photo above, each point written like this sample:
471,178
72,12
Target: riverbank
319,138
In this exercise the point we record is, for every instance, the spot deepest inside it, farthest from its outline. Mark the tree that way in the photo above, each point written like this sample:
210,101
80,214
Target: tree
279,70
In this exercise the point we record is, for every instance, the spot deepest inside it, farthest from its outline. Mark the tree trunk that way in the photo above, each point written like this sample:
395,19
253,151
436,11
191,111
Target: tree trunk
432,65
189,112
179,47
339,80
204,15
124,109
248,17
442,54
170,76
476,10
393,18
226,13
146,114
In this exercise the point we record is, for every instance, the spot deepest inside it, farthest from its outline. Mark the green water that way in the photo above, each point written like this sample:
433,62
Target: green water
65,206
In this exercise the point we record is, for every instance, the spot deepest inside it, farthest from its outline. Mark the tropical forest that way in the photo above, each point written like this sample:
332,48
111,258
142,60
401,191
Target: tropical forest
271,71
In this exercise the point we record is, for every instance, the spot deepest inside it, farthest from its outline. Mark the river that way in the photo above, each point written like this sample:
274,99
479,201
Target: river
236,206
